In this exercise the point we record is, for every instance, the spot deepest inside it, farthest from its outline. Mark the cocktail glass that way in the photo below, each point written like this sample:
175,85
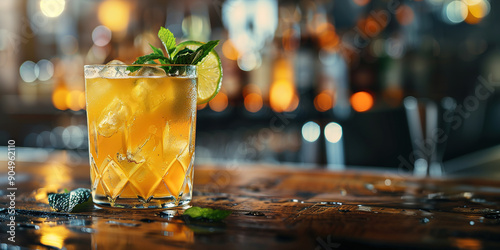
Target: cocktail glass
141,134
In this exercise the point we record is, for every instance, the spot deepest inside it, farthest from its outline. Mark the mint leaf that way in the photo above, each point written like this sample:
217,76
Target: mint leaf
144,59
207,213
193,212
187,56
168,40
203,51
184,51
76,200
156,51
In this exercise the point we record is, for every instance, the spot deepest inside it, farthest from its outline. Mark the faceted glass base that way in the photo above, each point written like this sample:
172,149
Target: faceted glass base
154,192
133,203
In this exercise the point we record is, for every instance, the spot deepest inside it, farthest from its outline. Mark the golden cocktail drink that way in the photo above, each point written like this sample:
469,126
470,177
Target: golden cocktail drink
141,134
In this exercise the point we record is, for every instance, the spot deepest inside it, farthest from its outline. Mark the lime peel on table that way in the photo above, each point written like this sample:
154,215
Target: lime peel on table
207,213
76,200
189,52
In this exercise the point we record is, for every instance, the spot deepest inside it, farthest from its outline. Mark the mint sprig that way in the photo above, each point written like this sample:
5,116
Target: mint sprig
76,200
156,51
184,56
168,40
145,59
207,213
203,51
194,57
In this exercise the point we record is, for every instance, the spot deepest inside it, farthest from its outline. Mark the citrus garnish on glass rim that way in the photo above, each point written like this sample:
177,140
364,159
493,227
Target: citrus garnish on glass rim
209,72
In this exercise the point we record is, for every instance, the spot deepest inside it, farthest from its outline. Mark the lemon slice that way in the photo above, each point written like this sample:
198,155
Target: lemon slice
209,72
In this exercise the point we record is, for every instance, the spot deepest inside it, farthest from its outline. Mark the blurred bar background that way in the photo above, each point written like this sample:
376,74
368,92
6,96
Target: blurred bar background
327,83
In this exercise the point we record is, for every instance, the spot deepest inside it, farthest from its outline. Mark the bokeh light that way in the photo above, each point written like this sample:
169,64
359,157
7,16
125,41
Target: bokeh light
101,35
362,101
249,61
29,71
324,101
114,14
73,100
455,12
405,14
373,24
45,70
281,95
311,131
327,37
59,98
333,132
229,51
52,8
477,10
253,102
219,103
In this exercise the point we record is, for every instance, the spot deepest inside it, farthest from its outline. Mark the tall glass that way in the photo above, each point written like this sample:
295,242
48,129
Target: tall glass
141,134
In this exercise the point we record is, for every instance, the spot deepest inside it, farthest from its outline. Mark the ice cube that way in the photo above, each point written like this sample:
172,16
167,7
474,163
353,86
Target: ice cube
98,90
114,69
137,155
115,62
113,118
145,94
173,143
149,71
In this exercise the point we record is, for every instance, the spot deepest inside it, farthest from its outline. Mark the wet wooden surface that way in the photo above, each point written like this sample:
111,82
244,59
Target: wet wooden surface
273,208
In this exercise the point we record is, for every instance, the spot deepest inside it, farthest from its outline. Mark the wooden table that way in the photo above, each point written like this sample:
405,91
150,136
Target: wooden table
274,207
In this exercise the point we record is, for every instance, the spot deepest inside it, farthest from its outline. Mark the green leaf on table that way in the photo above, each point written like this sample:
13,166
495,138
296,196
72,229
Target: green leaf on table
76,200
207,213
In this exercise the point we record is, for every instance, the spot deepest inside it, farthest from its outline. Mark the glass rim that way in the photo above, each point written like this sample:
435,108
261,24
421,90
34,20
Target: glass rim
140,65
